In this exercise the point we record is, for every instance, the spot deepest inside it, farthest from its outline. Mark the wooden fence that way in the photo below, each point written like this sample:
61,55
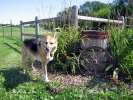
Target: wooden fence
10,29
74,18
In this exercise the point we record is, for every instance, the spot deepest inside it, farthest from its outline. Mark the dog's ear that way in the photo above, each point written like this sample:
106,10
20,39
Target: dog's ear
45,34
55,35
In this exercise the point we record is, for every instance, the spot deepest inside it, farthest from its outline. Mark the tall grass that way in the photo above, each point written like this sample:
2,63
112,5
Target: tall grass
68,48
121,48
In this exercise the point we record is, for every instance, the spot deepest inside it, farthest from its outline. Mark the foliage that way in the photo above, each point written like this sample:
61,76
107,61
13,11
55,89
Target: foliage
121,8
95,8
114,10
121,48
68,48
103,12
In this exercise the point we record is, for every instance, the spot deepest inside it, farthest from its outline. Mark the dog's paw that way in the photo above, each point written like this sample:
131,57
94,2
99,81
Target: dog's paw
47,80
51,58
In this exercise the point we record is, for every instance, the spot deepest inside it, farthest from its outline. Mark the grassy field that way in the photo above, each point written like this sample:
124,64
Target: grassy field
17,85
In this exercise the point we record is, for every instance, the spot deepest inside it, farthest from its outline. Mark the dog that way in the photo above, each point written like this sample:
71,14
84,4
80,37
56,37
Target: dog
43,50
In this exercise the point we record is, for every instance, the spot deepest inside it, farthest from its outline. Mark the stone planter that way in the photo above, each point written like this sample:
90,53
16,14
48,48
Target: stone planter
94,38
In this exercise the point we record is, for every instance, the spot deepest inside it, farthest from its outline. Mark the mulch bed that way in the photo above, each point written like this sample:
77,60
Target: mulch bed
67,80
74,80
80,80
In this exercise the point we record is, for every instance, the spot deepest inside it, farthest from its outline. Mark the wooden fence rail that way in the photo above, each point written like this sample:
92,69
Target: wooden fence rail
99,19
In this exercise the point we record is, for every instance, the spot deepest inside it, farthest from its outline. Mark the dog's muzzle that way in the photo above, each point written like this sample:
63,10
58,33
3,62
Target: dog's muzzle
49,55
48,50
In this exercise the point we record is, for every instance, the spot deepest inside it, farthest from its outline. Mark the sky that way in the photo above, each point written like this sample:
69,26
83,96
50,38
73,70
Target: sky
26,10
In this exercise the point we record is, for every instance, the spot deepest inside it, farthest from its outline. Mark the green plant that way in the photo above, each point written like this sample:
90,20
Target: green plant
121,48
68,49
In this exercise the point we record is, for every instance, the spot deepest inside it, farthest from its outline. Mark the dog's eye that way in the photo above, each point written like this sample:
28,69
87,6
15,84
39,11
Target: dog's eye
46,42
51,43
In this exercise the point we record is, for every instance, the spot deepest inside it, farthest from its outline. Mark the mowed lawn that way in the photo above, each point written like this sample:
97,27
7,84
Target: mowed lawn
10,53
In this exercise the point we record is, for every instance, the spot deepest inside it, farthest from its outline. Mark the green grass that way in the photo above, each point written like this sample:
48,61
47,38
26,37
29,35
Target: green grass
10,53
17,85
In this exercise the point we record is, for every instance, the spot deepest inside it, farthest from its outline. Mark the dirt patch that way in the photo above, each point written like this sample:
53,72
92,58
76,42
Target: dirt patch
75,80
80,80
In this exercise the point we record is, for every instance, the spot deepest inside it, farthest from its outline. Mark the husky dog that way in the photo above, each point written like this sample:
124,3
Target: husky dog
42,49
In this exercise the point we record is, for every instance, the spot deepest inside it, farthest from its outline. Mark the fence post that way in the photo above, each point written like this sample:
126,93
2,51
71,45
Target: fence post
74,20
21,29
3,31
123,20
11,27
36,27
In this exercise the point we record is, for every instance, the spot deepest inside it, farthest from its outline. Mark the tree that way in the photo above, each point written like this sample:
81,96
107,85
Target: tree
95,9
121,8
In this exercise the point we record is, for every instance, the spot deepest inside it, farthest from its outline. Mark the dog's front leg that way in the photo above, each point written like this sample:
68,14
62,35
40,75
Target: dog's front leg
52,53
45,73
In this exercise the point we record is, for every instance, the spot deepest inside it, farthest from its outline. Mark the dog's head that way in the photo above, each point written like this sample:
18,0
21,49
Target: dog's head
49,41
